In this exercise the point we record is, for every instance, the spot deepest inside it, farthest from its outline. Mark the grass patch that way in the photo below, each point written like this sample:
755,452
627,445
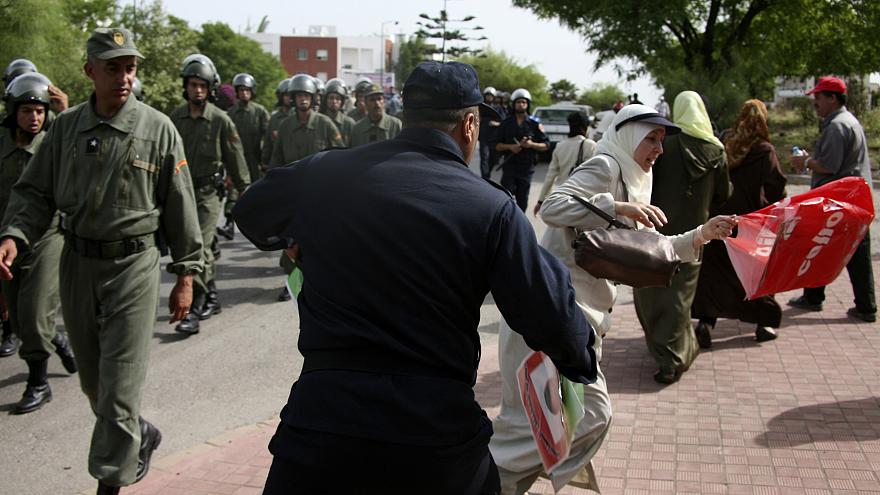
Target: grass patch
798,125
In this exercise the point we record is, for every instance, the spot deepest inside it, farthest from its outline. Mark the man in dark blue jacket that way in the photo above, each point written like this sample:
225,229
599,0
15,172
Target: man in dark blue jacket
399,244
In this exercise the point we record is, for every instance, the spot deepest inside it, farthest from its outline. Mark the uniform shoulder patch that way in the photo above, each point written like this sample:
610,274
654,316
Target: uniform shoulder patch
179,165
233,137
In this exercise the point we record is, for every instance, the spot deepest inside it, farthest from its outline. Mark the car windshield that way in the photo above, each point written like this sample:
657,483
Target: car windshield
556,115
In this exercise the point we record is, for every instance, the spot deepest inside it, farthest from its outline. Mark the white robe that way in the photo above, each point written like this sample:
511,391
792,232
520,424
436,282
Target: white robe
512,446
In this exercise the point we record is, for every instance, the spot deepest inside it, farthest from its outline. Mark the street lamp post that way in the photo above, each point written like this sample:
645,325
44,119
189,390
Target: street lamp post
382,53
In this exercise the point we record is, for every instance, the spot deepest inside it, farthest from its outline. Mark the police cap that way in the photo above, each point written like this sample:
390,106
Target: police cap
445,86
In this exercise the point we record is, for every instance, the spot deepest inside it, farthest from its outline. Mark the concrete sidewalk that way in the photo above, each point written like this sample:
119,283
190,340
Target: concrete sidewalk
799,415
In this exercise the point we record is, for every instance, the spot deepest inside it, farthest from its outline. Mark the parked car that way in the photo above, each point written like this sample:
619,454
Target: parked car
555,120
600,124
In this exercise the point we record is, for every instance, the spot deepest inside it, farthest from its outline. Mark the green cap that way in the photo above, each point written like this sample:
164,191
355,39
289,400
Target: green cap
107,43
373,89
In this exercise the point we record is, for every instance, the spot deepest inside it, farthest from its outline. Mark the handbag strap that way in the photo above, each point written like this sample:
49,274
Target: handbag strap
612,222
580,157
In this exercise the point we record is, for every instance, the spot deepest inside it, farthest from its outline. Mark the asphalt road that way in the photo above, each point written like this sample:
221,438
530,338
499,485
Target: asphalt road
236,372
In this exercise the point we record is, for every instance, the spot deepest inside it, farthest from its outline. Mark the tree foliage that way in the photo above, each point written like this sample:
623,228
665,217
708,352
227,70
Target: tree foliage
411,52
164,40
497,69
233,53
563,90
602,96
727,49
452,42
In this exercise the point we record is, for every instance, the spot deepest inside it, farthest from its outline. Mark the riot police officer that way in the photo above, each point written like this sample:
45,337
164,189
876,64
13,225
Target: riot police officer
304,134
31,297
211,142
521,138
251,120
334,100
376,125
279,115
360,90
137,89
487,134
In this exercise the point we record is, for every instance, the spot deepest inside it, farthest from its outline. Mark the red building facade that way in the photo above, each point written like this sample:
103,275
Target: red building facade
310,54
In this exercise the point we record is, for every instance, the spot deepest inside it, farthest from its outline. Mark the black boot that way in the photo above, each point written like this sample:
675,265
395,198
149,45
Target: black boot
62,348
284,295
37,391
212,303
107,489
190,323
227,231
215,248
150,440
10,342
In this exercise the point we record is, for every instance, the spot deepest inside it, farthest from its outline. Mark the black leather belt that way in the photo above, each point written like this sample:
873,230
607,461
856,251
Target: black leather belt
109,249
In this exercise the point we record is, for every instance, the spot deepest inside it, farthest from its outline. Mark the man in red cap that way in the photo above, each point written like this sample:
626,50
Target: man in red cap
841,151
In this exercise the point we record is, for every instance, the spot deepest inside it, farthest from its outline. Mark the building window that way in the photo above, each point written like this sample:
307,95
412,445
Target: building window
302,54
321,55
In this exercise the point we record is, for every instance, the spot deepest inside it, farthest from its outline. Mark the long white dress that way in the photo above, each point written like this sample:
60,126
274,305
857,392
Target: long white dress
512,445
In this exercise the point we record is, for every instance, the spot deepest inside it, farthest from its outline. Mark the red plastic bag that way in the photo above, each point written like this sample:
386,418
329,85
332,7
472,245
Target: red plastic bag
802,241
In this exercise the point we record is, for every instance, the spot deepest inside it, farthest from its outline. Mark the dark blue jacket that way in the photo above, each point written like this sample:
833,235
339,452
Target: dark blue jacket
521,164
400,245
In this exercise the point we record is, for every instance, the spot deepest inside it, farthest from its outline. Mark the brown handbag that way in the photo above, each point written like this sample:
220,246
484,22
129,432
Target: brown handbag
622,254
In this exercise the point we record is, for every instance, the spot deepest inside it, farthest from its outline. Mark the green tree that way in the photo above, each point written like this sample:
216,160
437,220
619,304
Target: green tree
164,40
563,90
496,68
412,51
452,42
728,50
602,96
40,31
233,53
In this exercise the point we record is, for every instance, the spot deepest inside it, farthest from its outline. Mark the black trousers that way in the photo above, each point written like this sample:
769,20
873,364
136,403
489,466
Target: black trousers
486,160
518,186
318,463
861,276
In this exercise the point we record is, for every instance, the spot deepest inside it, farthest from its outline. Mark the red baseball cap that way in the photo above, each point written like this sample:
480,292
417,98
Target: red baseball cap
832,84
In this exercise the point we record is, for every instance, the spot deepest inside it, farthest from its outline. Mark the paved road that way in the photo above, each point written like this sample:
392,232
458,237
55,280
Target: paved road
236,372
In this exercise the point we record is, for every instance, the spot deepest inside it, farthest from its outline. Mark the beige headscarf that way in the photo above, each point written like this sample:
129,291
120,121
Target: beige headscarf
689,113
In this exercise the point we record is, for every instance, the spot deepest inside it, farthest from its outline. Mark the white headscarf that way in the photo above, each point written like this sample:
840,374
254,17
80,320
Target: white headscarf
621,144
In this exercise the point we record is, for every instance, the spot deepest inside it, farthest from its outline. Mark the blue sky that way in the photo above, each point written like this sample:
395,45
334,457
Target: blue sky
557,52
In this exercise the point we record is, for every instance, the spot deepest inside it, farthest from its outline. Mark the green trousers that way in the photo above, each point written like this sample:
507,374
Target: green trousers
109,308
32,296
665,315
208,208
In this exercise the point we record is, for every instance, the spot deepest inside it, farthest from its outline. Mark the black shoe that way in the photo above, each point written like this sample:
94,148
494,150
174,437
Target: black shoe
107,490
666,376
866,317
9,345
212,303
764,334
284,295
189,324
35,396
704,336
227,231
801,302
62,348
150,440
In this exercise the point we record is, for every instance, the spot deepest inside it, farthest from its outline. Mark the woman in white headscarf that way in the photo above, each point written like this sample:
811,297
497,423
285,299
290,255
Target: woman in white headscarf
618,181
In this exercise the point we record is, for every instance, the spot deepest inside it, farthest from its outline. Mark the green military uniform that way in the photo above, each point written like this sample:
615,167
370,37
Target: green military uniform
32,294
115,181
278,117
344,124
298,140
252,122
211,142
356,115
366,131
